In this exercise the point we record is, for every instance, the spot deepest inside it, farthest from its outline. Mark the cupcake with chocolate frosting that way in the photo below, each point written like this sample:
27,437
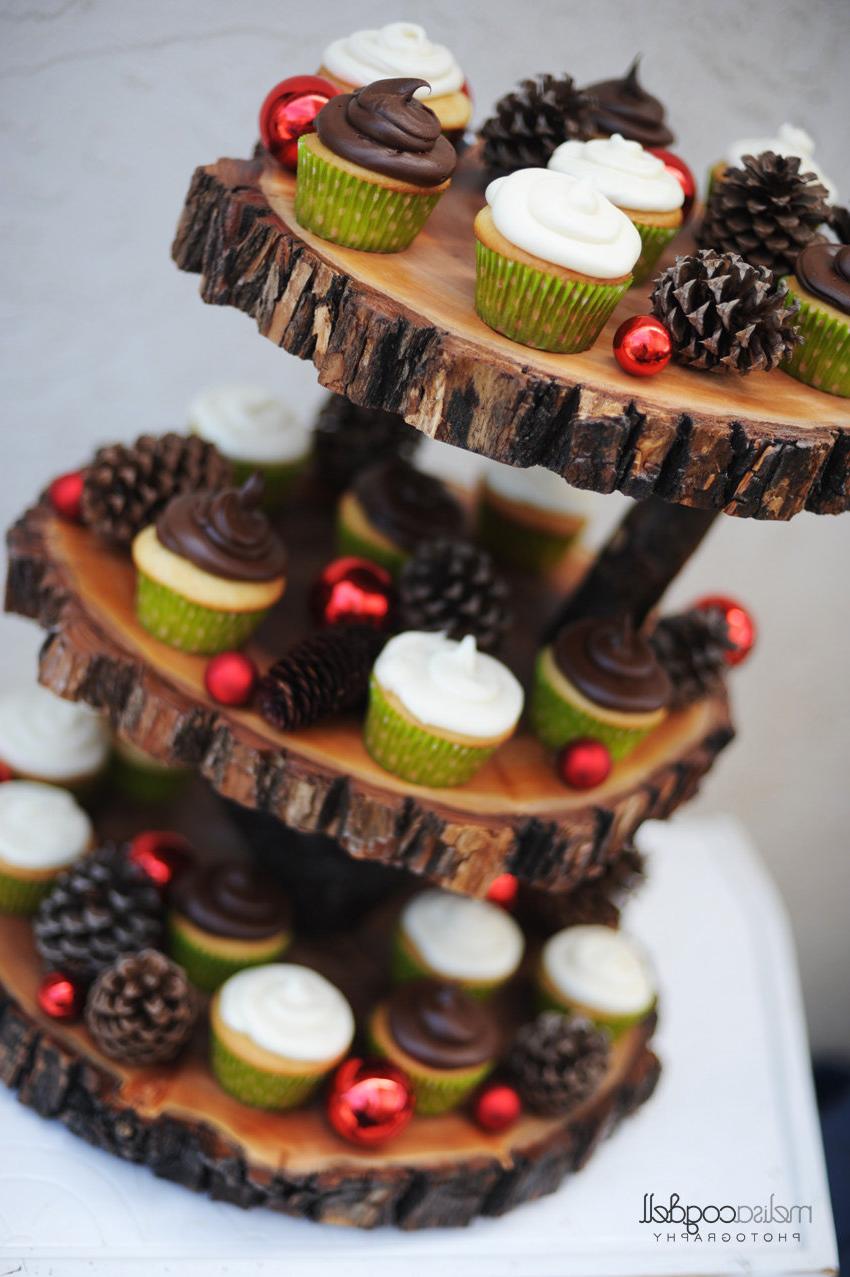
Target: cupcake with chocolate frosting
821,286
209,570
375,168
597,973
224,918
622,105
42,832
600,678
459,939
445,1041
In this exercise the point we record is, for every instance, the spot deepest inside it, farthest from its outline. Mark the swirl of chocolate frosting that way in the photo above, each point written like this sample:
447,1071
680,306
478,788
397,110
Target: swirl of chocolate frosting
233,901
612,665
383,127
824,271
624,106
441,1025
224,533
406,504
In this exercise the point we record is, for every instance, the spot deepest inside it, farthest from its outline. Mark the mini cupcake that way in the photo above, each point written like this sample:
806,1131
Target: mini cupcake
622,105
438,709
445,1041
598,973
43,737
277,1032
374,170
529,518
821,286
553,258
142,778
789,140
636,181
42,831
257,432
457,939
601,679
224,918
401,48
391,509
209,570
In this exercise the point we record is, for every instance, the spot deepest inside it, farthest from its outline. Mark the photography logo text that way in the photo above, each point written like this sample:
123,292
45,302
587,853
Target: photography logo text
674,1219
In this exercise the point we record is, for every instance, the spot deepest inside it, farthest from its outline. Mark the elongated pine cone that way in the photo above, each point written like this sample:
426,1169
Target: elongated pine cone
142,1009
324,674
530,122
453,587
723,313
556,1061
348,439
692,648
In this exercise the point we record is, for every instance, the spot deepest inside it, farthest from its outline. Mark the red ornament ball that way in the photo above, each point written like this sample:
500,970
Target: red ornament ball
66,495
642,346
61,998
739,622
289,110
352,591
584,764
162,854
496,1107
230,678
503,890
683,176
369,1102
6,772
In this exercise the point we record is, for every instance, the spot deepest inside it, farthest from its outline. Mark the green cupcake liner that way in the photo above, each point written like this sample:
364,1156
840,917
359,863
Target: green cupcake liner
259,1087
822,359
518,545
146,784
351,211
614,1025
19,896
412,752
434,1095
189,626
350,542
654,240
538,309
555,721
405,967
279,478
207,969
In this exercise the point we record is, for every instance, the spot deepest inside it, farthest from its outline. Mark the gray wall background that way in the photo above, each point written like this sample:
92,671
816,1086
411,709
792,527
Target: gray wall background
106,106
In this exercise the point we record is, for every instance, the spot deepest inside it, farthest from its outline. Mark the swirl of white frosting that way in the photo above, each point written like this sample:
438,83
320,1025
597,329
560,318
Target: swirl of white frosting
535,486
564,220
600,968
626,174
463,938
43,735
789,140
41,826
450,685
247,423
289,1010
398,49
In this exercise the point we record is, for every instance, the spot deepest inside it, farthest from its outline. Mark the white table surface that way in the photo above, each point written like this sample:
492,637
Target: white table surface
733,1120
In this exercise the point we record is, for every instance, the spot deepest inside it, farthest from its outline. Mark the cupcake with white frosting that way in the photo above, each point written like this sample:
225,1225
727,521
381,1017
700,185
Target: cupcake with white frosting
457,939
46,738
553,258
438,708
277,1031
42,831
530,518
789,140
636,181
598,973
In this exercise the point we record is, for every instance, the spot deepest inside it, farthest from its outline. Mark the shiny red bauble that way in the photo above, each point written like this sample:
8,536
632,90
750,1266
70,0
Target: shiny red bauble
642,346
739,623
584,764
61,998
162,854
369,1101
352,591
503,890
66,495
230,678
289,110
496,1107
6,773
683,176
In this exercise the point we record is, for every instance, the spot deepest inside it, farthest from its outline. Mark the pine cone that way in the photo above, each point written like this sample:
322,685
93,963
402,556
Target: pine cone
126,487
141,1010
347,439
692,648
556,1061
453,587
839,223
725,314
101,907
324,674
530,122
767,210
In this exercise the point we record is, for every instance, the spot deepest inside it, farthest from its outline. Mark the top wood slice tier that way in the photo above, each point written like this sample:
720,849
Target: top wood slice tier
399,332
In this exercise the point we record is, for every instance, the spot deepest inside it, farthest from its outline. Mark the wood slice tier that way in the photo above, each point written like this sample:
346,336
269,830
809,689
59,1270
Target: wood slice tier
399,332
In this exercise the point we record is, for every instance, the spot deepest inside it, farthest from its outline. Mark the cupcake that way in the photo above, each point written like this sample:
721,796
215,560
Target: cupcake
257,432
444,1040
821,286
529,518
277,1032
43,737
391,509
598,973
224,918
789,140
42,831
401,48
375,168
553,258
601,679
209,570
624,106
457,939
142,778
438,708
636,181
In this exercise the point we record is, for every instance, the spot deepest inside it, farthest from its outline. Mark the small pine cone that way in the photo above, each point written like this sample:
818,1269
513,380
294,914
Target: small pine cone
839,223
723,313
324,674
127,487
530,122
556,1061
692,648
141,1010
100,907
453,587
767,210
348,439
